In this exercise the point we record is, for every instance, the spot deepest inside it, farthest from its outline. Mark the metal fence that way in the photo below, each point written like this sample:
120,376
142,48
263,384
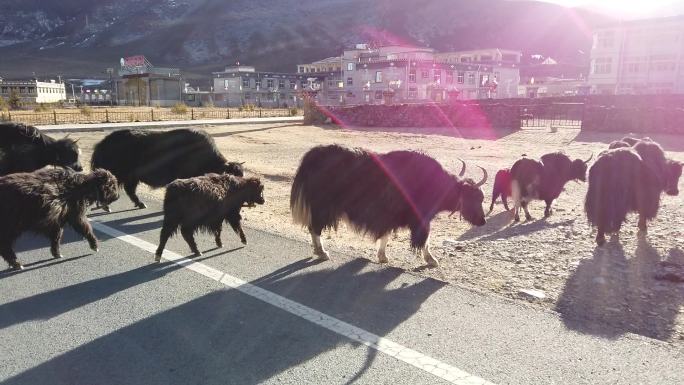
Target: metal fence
552,115
140,115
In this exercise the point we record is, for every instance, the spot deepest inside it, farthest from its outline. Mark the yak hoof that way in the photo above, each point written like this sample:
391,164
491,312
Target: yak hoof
516,218
94,248
141,205
157,258
106,209
58,256
382,258
197,253
322,255
244,241
431,262
16,266
219,244
528,218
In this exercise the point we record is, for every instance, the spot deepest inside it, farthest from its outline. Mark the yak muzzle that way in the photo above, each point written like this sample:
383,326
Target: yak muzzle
76,167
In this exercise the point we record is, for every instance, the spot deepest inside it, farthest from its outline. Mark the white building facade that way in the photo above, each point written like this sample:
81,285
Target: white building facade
638,57
33,91
399,74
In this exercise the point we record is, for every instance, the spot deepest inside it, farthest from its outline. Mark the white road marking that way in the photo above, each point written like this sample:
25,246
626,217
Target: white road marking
421,361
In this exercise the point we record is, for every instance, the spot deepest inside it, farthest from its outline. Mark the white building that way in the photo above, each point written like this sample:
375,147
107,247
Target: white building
33,91
400,74
639,57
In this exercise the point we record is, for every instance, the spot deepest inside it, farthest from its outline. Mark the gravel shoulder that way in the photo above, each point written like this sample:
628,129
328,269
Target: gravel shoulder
630,286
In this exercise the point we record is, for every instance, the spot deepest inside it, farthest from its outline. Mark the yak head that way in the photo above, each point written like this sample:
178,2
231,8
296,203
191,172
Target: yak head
104,186
253,191
66,153
578,169
234,168
467,197
674,171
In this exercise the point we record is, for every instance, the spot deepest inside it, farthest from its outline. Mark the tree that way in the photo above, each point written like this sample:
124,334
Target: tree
14,100
3,104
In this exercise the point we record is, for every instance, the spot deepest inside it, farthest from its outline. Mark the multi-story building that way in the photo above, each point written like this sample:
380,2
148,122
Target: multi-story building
639,57
33,91
239,85
142,84
399,74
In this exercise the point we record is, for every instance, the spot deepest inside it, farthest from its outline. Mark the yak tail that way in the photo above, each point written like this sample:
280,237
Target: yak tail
607,202
299,204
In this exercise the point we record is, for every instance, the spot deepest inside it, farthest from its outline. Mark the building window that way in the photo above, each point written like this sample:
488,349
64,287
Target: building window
663,63
425,74
257,83
603,65
281,83
605,39
378,94
471,78
412,93
378,76
292,84
437,75
248,95
636,64
269,83
412,75
350,66
350,81
497,76
366,97
450,77
191,98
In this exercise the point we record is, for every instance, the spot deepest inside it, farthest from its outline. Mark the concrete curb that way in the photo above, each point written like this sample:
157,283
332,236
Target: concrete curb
164,124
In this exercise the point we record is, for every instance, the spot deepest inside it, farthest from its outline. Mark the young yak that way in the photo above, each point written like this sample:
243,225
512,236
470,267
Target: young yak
46,200
203,203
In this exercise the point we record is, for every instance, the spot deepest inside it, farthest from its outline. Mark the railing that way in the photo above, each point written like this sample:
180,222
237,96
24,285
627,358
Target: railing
140,115
552,115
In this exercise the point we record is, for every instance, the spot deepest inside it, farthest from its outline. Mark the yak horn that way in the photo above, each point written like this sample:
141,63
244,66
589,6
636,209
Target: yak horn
590,158
463,168
484,178
241,163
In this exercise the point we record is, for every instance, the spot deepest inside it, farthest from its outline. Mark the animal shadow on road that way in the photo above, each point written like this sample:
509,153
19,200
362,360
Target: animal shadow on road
137,224
494,224
609,295
227,337
501,231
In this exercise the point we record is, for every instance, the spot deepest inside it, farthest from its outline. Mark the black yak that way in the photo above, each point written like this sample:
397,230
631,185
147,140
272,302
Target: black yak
157,158
24,149
46,200
625,180
543,180
204,203
379,193
625,142
502,188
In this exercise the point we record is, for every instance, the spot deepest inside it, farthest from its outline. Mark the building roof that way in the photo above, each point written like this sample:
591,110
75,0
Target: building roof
641,22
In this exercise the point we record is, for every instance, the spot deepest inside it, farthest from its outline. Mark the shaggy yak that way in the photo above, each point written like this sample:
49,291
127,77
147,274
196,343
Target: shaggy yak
625,142
204,203
379,193
24,149
543,180
502,187
629,179
157,158
46,200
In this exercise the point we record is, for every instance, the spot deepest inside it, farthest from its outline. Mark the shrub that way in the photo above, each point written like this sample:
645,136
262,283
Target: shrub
3,104
85,110
14,101
294,111
41,108
179,109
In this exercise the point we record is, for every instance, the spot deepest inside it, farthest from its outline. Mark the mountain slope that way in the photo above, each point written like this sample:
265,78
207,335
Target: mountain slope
82,37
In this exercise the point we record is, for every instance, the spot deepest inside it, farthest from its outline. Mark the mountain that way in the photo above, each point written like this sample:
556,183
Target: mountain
83,37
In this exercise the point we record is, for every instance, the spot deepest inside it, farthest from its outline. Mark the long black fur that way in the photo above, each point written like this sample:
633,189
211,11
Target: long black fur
46,200
24,149
379,193
545,179
203,203
502,188
157,158
629,179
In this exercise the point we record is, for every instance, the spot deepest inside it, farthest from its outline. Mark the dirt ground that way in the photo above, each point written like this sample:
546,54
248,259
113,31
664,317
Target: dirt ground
632,285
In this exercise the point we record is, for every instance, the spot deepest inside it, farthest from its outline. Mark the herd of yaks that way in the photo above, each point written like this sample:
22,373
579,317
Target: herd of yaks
375,193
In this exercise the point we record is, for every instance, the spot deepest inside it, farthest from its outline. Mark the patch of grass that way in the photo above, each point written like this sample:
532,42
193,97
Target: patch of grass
85,110
179,109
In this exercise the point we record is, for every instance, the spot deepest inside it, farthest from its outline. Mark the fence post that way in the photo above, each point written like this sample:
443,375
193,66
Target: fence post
106,115
260,112
228,110
54,114
152,112
9,115
192,114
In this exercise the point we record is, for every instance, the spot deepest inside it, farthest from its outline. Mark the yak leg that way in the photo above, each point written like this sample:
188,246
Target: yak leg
130,188
55,240
167,230
504,199
517,198
217,236
495,195
9,256
382,257
527,213
420,239
643,229
427,256
548,211
82,227
188,235
233,220
319,251
600,237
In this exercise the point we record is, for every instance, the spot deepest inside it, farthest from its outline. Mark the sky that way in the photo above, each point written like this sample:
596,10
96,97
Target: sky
628,9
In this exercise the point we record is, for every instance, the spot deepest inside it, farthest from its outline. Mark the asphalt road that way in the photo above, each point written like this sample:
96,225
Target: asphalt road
267,313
